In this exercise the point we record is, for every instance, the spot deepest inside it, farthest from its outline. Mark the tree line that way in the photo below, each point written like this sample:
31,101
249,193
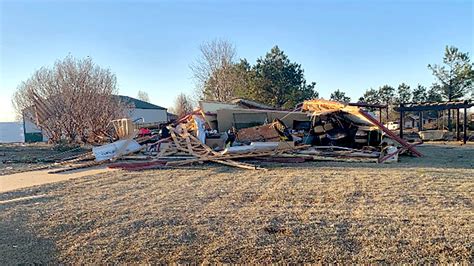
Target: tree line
277,81
74,103
454,82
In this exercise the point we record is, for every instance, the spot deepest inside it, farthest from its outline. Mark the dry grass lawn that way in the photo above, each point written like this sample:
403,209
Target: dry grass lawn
418,211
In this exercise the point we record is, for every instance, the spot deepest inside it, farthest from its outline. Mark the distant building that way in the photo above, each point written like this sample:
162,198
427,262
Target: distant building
412,121
32,132
11,132
144,112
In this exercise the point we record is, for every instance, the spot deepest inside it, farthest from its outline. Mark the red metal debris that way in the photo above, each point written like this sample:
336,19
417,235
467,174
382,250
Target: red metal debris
391,134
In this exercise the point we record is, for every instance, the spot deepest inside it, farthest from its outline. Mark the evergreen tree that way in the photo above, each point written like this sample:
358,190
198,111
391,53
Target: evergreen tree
340,96
433,94
456,76
404,93
279,82
419,94
371,96
386,94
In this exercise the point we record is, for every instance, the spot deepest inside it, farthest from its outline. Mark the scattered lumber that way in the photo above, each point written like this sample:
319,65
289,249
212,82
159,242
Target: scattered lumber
76,167
190,144
139,165
182,148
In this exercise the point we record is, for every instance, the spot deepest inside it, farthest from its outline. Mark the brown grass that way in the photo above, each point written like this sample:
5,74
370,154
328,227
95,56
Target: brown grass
31,155
419,211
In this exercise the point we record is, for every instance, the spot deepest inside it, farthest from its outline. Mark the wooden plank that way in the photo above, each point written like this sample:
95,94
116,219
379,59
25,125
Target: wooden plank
76,167
193,146
349,160
138,165
203,145
238,164
283,159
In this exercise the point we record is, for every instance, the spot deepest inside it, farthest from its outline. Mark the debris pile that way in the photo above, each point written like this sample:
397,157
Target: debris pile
244,135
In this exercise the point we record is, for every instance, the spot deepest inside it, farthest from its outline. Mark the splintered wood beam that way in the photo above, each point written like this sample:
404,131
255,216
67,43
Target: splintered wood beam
76,167
391,134
238,164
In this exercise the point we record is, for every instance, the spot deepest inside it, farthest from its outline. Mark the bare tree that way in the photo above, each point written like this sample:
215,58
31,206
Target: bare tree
72,101
214,71
143,95
182,105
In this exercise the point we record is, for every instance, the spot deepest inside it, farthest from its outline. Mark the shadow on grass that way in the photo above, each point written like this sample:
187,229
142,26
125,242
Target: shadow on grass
19,246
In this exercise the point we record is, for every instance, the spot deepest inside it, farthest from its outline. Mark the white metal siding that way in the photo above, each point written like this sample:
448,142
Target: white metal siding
30,127
149,115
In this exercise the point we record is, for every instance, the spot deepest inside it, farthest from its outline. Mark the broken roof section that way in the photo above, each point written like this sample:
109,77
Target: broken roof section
211,107
321,107
356,115
251,104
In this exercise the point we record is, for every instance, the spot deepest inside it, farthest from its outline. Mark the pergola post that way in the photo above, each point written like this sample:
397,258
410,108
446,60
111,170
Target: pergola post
401,122
465,126
458,129
420,121
437,120
450,125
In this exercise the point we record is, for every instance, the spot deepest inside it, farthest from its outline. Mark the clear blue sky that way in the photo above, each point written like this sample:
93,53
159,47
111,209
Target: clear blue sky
347,45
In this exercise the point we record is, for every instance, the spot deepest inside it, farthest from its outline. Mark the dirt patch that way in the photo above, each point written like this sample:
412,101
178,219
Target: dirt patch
35,178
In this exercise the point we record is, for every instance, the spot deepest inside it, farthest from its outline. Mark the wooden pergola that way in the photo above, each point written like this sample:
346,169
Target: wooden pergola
420,107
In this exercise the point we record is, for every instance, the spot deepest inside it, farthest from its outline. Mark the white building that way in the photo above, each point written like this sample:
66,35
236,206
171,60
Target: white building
144,112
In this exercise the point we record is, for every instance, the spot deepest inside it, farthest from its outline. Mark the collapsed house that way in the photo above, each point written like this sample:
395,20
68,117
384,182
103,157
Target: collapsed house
316,122
240,133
